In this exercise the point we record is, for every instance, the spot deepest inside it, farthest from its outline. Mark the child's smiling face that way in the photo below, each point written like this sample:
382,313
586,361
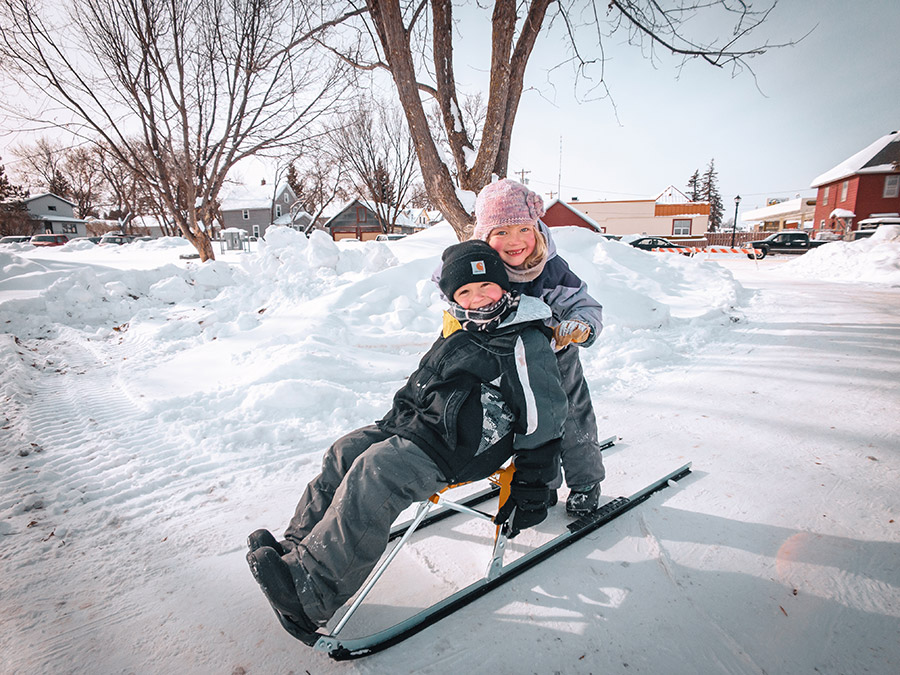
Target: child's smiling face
477,294
514,243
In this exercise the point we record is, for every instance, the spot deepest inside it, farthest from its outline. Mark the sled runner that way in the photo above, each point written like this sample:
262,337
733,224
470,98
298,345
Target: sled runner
497,572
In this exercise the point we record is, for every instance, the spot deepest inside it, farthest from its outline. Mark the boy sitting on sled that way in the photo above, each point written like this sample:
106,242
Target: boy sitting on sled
487,390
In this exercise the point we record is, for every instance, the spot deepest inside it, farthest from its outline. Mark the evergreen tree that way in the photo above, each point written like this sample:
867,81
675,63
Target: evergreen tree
59,185
293,180
693,187
14,218
709,192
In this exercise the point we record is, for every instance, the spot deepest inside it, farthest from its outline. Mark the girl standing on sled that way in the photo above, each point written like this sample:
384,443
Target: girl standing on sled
507,217
487,390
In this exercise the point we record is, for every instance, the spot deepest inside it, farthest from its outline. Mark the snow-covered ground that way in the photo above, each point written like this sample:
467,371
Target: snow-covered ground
155,411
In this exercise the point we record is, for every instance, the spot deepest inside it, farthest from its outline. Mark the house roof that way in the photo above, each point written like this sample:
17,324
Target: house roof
583,216
252,197
672,195
49,194
881,156
790,207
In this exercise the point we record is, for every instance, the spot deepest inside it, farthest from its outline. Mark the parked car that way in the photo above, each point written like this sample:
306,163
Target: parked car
867,226
49,240
389,237
793,241
15,239
650,243
116,238
611,237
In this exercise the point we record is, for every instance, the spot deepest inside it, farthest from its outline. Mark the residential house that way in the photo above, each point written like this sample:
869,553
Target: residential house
862,186
412,220
255,208
54,215
792,214
669,214
354,220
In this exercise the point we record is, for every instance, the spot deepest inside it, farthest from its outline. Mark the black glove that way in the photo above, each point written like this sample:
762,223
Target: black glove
530,503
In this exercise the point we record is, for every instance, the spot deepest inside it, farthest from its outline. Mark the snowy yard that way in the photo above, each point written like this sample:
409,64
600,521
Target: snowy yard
155,411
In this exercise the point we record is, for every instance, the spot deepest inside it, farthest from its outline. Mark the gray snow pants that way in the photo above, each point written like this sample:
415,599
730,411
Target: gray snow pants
341,525
582,460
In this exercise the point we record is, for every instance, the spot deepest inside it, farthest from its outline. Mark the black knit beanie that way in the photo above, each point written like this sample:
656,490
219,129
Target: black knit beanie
470,261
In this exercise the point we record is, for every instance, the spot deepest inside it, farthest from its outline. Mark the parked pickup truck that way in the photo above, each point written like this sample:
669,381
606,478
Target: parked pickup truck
784,242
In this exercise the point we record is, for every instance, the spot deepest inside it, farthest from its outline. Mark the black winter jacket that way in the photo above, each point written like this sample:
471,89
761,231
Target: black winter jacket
478,398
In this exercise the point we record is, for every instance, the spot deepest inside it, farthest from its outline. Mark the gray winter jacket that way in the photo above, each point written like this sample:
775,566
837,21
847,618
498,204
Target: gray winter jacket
563,291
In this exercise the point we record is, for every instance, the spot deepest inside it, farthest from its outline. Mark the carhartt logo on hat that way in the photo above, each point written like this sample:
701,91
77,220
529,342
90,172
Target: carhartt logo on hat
478,267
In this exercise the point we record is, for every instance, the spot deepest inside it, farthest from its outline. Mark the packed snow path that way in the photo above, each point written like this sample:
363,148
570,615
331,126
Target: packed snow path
124,511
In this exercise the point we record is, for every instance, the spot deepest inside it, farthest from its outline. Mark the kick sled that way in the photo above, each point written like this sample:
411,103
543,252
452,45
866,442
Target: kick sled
497,572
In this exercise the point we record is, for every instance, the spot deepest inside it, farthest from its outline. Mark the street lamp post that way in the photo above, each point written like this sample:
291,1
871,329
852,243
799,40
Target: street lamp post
737,201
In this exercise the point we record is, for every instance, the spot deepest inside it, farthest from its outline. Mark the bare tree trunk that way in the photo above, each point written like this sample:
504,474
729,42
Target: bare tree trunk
388,21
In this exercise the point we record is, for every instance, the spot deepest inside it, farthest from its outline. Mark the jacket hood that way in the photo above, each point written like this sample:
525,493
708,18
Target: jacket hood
529,309
551,245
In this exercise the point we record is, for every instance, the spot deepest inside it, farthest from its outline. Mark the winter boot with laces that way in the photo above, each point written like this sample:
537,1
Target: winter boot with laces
583,502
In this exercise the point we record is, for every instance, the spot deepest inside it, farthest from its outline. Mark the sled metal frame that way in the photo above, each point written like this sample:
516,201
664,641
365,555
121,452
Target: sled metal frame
421,512
496,574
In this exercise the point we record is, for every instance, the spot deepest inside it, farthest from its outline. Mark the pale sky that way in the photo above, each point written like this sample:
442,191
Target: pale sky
811,106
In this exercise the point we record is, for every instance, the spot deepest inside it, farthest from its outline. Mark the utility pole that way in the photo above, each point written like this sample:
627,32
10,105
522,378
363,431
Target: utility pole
522,178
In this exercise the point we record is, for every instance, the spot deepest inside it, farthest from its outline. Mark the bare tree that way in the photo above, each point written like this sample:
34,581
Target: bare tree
178,91
40,162
414,41
317,179
376,146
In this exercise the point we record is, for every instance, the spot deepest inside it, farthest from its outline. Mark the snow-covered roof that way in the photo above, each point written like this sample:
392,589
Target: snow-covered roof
672,195
586,218
251,197
775,211
841,213
879,157
49,194
52,217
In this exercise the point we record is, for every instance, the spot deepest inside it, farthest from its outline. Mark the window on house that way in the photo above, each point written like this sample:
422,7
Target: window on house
287,198
70,228
256,231
51,207
681,226
278,210
360,214
844,187
825,194
891,186
245,214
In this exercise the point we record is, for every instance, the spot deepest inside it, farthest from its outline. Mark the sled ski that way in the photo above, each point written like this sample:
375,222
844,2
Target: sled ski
496,575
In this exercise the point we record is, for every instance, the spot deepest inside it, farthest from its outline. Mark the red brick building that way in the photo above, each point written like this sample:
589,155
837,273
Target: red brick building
864,185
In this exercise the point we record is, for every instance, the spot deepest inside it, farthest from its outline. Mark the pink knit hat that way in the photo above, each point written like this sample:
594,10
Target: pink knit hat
505,203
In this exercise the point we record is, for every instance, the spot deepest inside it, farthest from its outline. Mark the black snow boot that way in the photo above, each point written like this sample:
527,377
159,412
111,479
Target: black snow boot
583,502
262,538
275,579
